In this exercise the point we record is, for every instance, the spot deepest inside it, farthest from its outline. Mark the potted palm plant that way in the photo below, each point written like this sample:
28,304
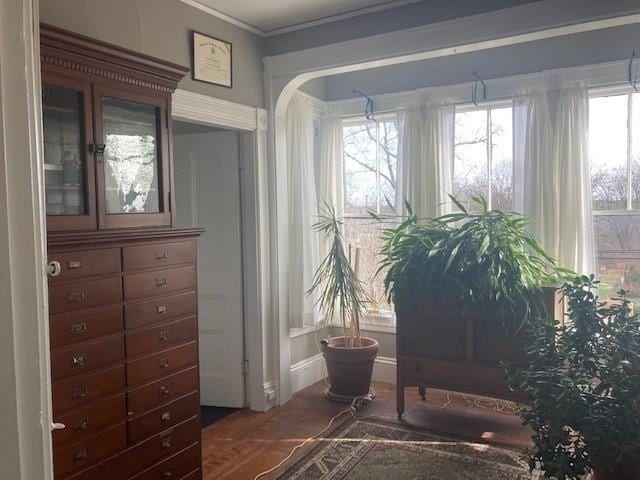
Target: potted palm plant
349,357
585,389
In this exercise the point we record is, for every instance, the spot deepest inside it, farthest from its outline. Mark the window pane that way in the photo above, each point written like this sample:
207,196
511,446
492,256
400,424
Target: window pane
64,161
635,153
360,180
388,155
366,234
502,159
470,169
131,156
618,250
608,151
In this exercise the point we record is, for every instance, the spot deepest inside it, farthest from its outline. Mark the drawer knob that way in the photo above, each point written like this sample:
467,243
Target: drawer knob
161,281
81,455
167,474
77,297
162,309
74,264
161,255
81,424
166,416
166,442
80,392
79,360
78,328
165,390
163,336
164,363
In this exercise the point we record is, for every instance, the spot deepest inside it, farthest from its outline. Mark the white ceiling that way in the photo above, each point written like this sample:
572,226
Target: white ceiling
277,16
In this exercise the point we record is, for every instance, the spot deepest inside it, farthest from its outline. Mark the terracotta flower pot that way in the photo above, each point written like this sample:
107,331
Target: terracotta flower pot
349,369
625,470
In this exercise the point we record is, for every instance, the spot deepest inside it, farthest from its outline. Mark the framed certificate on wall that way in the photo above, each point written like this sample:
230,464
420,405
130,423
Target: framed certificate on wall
211,60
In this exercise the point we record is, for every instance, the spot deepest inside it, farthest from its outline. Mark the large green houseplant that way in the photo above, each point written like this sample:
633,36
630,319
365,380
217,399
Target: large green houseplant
486,259
585,389
465,286
350,357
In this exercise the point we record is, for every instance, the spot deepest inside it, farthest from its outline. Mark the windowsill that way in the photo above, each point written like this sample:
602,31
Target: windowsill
376,322
299,332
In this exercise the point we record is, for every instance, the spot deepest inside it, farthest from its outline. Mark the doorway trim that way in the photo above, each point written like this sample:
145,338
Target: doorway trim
262,389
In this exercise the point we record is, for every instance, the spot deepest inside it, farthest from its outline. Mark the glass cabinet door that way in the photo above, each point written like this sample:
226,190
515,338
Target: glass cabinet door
68,170
133,174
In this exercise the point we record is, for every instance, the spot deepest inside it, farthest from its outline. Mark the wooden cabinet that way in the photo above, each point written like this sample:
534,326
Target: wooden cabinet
123,317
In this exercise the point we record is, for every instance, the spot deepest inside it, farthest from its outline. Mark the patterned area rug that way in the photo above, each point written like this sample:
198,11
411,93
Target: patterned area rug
369,449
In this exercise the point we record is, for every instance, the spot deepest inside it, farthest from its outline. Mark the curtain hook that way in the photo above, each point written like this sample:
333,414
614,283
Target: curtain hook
633,76
368,109
474,88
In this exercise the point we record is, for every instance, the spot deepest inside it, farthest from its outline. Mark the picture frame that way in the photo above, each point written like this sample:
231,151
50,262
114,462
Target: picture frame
212,60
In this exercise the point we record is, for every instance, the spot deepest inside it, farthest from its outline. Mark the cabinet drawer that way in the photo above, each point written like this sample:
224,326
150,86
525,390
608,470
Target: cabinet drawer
86,263
159,310
72,328
86,357
196,475
161,364
163,417
159,282
143,257
161,337
149,396
178,466
89,420
80,391
70,297
164,445
88,451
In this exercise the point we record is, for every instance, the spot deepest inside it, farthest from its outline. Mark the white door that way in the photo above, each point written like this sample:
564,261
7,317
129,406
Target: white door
207,193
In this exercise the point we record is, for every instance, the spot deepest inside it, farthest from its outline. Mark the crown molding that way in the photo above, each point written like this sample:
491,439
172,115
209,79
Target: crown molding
298,26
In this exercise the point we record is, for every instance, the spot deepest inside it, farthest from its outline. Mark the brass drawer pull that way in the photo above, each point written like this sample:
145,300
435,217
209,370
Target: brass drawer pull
161,255
163,336
77,297
161,281
165,390
164,363
78,328
79,360
81,455
80,392
73,264
166,442
81,424
166,416
162,309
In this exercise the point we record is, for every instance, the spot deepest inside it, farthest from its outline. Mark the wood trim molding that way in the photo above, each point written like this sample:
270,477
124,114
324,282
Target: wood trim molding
195,107
61,48
117,236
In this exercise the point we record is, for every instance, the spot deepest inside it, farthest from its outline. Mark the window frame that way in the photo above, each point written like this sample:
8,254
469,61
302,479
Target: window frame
385,320
628,92
487,106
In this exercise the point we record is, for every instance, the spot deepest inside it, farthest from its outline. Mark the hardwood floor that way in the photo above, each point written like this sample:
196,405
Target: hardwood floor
246,443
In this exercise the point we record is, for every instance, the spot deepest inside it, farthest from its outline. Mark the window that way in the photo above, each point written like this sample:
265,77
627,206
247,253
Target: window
614,147
483,157
370,180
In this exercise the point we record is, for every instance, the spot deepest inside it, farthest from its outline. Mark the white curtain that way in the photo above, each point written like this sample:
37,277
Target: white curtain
303,212
330,169
426,158
552,180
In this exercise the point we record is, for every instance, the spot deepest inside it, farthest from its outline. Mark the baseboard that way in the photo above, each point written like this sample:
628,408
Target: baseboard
384,370
307,372
312,370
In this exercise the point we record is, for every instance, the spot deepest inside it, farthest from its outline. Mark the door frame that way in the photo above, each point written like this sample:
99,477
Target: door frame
25,403
251,122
